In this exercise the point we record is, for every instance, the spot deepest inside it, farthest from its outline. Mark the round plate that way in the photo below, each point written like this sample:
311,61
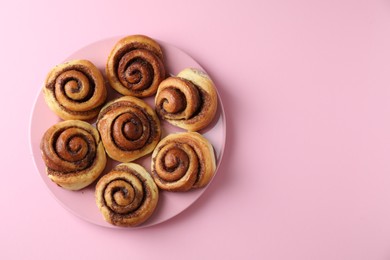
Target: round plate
82,203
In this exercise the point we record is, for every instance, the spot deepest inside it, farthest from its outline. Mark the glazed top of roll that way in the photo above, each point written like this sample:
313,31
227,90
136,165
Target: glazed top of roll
129,128
135,66
188,100
75,90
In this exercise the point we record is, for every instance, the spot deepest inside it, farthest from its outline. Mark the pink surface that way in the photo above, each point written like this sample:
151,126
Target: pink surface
306,90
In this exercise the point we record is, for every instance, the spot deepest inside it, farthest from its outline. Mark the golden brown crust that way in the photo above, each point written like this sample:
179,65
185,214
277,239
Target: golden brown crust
129,128
127,195
182,161
135,66
75,90
188,101
73,154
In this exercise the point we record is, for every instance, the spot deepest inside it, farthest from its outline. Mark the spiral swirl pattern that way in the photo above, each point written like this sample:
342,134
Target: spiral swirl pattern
129,128
127,195
183,161
75,90
177,99
188,101
135,66
73,154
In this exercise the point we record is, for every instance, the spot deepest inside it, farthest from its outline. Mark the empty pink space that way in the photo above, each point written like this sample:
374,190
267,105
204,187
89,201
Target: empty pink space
305,172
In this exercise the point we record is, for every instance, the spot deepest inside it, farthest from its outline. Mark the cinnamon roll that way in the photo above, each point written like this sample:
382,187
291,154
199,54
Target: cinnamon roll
182,161
135,66
75,90
188,100
129,128
127,195
73,154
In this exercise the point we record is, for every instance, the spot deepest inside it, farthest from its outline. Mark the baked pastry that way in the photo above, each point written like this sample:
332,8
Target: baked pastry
75,90
188,100
73,154
129,128
127,195
182,161
135,66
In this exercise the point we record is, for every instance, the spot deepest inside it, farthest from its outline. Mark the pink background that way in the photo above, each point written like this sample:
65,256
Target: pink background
306,89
